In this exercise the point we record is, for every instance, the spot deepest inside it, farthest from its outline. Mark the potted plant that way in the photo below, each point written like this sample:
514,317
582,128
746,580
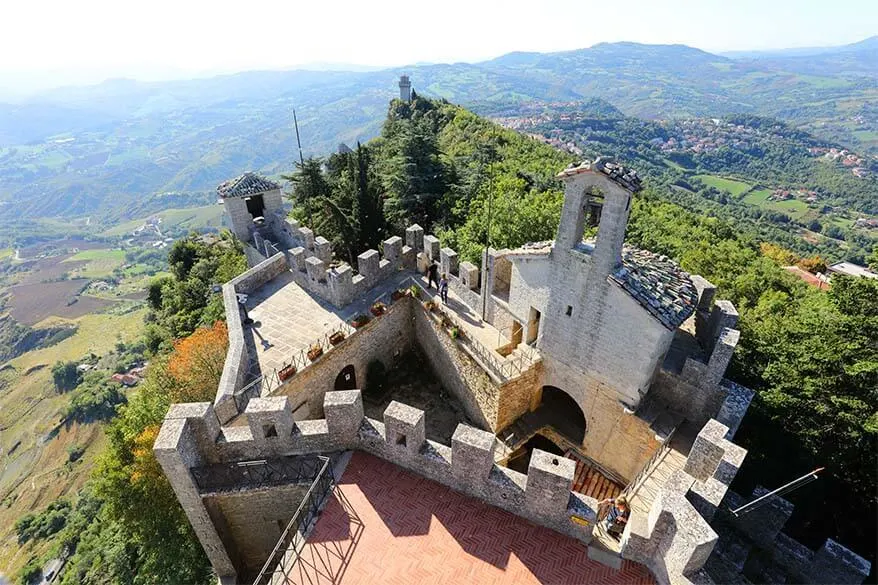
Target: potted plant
430,305
360,320
315,352
446,322
454,332
378,308
398,294
415,291
336,337
286,372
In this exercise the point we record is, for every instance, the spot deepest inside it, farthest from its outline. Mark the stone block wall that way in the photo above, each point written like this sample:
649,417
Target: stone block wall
542,496
699,390
384,339
310,259
253,520
767,550
459,373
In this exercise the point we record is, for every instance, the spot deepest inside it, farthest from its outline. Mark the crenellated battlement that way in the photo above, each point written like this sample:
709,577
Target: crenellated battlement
191,438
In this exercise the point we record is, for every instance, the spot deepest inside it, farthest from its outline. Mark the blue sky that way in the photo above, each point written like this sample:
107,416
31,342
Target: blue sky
95,39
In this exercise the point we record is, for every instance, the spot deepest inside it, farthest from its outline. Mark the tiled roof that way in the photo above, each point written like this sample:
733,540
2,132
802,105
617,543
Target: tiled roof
658,284
244,185
625,177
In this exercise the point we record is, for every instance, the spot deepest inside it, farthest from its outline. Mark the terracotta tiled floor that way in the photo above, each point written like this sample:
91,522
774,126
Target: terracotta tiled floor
415,531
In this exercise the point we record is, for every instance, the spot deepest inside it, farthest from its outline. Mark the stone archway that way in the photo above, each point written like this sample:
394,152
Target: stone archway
560,411
346,379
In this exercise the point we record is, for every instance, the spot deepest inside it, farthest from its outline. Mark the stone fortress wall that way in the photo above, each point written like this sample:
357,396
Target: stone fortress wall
308,259
675,539
191,437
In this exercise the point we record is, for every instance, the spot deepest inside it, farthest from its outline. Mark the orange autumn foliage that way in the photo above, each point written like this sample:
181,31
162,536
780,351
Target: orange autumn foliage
196,364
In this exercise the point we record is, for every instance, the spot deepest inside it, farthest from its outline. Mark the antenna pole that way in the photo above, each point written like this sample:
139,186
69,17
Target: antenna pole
762,500
302,164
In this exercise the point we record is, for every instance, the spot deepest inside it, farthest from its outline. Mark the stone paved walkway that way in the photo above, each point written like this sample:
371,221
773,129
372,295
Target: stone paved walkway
288,319
417,531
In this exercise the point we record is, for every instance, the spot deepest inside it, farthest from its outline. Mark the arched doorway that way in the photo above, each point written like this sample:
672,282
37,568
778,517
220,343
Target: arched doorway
346,379
563,414
520,459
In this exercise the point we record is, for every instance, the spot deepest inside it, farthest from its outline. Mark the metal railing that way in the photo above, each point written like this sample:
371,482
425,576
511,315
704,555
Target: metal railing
504,368
261,473
265,247
299,359
648,466
286,560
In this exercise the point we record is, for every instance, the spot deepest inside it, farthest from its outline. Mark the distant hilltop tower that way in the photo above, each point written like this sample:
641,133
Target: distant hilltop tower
405,89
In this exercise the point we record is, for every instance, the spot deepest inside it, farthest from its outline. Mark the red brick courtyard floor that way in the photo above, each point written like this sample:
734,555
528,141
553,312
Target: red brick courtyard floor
414,531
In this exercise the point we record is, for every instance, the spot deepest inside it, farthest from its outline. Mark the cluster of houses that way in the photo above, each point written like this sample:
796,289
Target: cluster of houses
787,194
130,378
824,280
705,135
846,158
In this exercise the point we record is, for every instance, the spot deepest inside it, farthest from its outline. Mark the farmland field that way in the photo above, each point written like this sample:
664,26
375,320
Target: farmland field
31,303
730,186
36,470
99,263
794,208
186,218
46,269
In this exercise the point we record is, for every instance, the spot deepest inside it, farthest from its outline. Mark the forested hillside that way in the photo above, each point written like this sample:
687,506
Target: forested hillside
123,147
809,354
777,182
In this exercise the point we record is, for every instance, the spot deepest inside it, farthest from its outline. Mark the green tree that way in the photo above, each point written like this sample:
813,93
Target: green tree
65,376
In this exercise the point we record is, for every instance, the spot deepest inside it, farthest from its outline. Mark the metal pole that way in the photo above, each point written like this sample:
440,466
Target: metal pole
302,163
762,500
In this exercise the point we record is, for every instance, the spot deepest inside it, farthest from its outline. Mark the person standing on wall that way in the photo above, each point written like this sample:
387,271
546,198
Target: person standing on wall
433,274
443,289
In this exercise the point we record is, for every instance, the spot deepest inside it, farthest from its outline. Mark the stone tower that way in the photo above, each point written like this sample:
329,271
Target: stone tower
251,202
405,89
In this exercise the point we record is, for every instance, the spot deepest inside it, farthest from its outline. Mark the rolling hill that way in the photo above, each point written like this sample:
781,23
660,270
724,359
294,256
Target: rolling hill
124,149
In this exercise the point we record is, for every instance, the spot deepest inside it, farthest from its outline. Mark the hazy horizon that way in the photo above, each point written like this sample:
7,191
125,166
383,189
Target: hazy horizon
88,42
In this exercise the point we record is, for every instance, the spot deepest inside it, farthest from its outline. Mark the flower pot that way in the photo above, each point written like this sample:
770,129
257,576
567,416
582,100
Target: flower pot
377,309
396,295
286,372
359,321
336,337
315,352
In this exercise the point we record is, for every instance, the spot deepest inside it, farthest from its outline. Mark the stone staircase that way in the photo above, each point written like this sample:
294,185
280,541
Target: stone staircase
672,459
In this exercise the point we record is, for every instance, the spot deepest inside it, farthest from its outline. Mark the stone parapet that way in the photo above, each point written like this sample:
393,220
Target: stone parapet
190,437
237,361
675,539
795,562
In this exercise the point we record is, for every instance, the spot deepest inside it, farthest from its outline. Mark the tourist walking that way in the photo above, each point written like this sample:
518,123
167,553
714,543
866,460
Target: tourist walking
443,289
617,516
433,274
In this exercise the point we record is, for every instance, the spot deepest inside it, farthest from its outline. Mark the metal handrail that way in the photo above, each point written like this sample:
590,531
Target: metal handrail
505,369
311,502
647,467
217,477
